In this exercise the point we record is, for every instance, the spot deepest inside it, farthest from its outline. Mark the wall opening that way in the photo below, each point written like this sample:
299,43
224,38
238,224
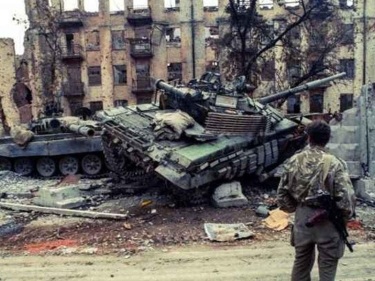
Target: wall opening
211,35
140,4
316,101
93,40
266,4
92,6
346,102
116,5
119,74
96,106
95,76
172,5
174,71
118,40
173,36
70,5
118,103
211,5
294,104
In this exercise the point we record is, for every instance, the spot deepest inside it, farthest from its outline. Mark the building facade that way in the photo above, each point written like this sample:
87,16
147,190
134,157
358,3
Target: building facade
110,53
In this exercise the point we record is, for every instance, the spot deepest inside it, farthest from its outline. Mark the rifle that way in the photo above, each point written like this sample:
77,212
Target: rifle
330,211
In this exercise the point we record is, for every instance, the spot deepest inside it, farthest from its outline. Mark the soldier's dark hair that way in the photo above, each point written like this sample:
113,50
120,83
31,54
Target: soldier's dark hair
319,132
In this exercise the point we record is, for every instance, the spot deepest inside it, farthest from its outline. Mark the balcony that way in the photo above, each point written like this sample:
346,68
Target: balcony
72,53
73,89
140,48
140,16
142,84
71,19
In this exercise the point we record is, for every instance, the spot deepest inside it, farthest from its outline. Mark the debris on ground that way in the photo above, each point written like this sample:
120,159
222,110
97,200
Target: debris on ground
229,195
277,220
9,228
227,232
65,212
262,211
66,197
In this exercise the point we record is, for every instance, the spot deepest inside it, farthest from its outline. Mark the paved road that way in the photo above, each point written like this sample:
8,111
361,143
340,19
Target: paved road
269,261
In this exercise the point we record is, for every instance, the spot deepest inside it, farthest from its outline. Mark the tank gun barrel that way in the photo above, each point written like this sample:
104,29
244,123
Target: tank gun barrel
82,130
169,89
301,88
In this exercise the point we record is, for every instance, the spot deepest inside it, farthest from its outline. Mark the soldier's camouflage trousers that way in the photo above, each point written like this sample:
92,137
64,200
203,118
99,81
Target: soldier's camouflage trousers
325,237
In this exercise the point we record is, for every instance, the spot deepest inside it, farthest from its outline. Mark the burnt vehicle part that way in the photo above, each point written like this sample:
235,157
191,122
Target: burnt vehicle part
55,149
233,135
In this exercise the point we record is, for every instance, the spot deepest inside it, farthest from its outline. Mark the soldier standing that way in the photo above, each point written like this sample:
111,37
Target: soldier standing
306,173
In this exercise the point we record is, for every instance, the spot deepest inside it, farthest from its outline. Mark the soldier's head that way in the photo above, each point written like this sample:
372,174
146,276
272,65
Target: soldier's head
319,133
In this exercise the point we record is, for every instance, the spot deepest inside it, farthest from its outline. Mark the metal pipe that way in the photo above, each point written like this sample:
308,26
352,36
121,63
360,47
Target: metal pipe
82,130
364,63
193,37
304,87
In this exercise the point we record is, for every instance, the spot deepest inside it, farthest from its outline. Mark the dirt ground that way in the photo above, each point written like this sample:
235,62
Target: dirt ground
261,261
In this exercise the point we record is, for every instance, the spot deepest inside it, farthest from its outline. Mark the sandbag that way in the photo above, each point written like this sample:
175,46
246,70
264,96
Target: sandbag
20,135
171,125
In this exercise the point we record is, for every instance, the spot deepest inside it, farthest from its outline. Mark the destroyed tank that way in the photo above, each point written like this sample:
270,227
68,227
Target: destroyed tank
55,148
233,135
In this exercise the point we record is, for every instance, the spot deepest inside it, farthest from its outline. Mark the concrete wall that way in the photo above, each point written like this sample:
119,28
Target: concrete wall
7,80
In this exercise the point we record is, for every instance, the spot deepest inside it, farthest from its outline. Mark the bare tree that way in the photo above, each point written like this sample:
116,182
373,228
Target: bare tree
250,40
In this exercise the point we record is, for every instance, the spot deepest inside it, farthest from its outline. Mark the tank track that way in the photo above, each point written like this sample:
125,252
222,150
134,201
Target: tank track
127,176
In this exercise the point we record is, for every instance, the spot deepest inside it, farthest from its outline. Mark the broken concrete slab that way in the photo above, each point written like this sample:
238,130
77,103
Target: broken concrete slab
229,195
227,232
59,197
365,188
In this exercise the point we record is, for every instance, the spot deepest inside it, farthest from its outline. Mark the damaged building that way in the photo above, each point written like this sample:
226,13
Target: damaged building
85,55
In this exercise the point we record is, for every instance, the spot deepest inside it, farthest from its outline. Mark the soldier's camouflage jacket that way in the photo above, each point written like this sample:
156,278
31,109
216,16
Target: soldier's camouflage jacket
304,175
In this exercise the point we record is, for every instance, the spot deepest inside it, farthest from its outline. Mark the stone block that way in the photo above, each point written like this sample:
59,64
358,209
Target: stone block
71,203
229,195
57,197
364,188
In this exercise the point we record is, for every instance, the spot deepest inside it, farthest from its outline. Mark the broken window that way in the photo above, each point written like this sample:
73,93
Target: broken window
173,35
267,34
294,71
116,5
119,74
266,4
140,4
294,35
213,66
92,6
96,106
172,5
294,104
347,66
118,40
175,71
346,102
316,102
75,107
93,40
268,71
211,35
118,103
142,99
211,5
346,4
292,3
95,75
70,5
348,34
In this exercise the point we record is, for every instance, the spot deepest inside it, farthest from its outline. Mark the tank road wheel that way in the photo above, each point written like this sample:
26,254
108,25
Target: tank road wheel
46,166
5,164
23,166
68,165
91,164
